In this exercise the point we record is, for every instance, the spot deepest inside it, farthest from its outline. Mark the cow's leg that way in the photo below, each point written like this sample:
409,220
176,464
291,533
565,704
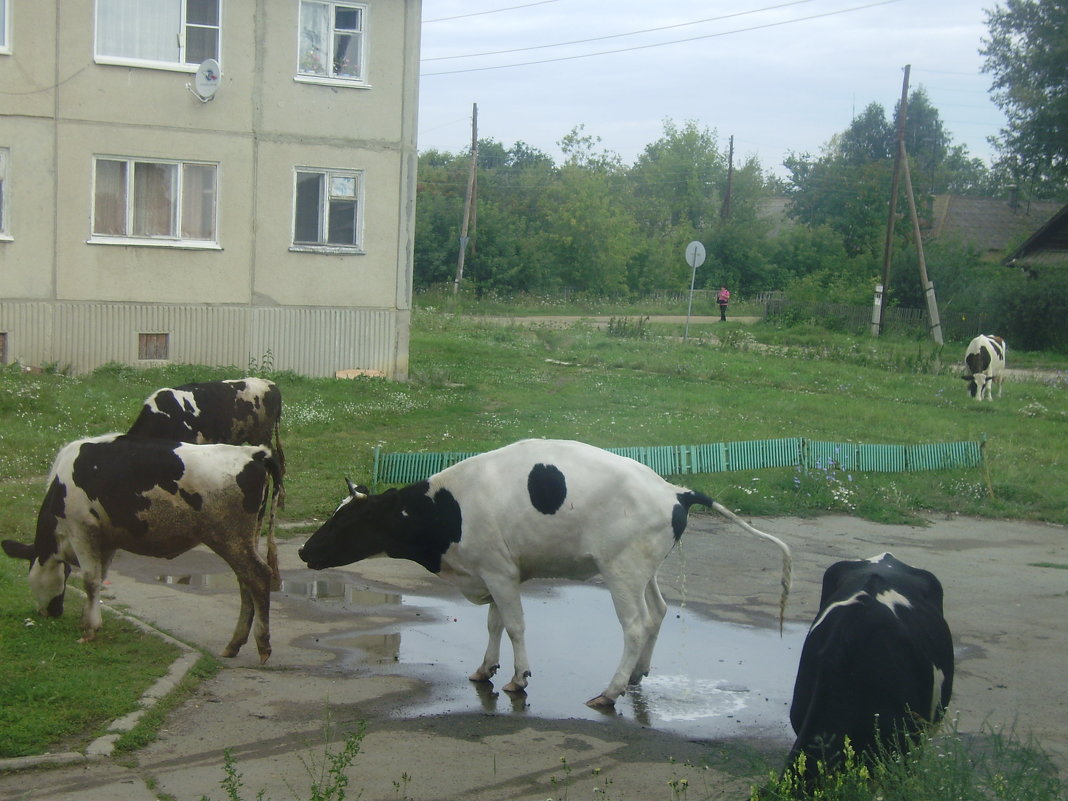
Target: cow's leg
94,567
254,578
657,607
505,594
491,662
639,625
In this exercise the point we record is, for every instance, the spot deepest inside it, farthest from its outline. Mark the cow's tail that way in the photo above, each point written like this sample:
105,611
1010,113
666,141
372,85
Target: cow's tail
787,558
274,469
280,455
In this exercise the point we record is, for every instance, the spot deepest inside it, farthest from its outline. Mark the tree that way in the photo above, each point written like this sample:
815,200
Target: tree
1027,55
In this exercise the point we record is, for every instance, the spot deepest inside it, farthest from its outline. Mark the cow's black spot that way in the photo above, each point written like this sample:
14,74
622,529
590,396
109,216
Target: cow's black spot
547,488
194,499
252,480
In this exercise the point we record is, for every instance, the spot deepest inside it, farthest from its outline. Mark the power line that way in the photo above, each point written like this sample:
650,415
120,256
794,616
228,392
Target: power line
620,35
671,42
491,11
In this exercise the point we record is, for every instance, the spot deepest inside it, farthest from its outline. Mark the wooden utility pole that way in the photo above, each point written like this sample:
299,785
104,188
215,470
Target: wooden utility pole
888,248
725,212
469,201
928,287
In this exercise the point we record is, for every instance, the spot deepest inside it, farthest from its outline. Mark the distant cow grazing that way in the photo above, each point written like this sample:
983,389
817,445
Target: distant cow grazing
985,365
155,498
235,412
877,664
533,509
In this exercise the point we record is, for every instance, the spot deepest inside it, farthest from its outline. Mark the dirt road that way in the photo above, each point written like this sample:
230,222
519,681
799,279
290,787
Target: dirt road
386,643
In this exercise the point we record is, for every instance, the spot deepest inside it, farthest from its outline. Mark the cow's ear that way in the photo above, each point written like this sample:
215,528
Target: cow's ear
18,550
967,377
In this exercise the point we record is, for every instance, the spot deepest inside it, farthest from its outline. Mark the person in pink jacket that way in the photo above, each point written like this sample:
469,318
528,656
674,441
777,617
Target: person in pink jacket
723,298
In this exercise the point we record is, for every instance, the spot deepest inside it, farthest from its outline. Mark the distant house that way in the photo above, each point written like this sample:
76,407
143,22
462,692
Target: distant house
269,222
989,225
1046,247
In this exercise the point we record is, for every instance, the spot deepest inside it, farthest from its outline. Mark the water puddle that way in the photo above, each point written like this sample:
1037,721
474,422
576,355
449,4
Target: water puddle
709,678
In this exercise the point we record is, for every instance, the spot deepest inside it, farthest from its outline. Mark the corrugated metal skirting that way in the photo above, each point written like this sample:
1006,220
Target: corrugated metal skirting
308,341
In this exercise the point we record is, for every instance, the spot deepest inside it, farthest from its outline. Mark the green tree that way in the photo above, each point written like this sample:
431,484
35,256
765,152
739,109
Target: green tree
1027,55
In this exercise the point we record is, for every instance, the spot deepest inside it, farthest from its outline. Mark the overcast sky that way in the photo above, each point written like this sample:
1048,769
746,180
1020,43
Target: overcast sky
779,76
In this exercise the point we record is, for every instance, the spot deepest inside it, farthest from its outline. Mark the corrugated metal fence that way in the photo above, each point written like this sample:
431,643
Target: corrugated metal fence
674,460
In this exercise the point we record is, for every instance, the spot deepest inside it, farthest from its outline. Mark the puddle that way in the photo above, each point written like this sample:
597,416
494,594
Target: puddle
709,679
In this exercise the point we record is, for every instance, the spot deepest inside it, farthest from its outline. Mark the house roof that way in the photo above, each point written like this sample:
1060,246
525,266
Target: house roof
1047,245
988,224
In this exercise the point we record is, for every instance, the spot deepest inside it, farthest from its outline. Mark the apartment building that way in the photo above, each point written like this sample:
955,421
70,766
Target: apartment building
224,182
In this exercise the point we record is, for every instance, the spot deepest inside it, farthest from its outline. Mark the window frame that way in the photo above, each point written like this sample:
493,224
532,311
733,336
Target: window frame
5,193
180,65
361,82
5,27
177,205
324,245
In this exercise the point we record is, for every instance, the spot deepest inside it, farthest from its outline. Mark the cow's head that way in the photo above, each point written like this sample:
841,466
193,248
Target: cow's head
358,529
48,576
976,384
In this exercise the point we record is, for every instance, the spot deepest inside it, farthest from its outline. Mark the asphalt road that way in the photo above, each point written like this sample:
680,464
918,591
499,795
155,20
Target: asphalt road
433,735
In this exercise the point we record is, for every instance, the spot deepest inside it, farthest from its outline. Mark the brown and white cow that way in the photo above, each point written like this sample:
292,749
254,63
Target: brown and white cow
154,498
985,365
533,509
235,412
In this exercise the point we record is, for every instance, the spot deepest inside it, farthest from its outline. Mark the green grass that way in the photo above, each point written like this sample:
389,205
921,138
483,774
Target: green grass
476,385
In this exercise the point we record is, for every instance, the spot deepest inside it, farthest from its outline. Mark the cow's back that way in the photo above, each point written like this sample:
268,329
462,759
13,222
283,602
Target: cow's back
557,506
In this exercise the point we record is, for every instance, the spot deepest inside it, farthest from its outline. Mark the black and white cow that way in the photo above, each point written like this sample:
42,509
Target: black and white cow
235,412
985,365
877,664
533,509
155,498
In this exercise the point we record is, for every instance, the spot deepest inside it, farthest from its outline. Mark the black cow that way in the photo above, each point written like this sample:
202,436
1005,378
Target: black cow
877,664
235,412
155,498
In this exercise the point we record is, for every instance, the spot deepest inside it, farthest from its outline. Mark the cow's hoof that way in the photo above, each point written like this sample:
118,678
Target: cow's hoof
265,655
229,653
483,675
514,689
601,702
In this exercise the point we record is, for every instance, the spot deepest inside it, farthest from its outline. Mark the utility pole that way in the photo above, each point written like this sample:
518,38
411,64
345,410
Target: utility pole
888,248
928,287
469,201
725,212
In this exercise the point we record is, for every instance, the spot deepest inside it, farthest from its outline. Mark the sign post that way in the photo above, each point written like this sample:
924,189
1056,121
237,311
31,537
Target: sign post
695,257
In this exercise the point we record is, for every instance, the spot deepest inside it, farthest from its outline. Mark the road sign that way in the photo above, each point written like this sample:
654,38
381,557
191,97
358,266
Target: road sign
695,254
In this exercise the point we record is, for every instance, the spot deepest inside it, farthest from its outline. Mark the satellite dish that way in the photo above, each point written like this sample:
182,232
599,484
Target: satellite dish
206,80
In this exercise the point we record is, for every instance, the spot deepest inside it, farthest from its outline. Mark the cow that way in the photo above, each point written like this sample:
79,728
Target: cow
551,509
985,365
235,412
154,498
876,666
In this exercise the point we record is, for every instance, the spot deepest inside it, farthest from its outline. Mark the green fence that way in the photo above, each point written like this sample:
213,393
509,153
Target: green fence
675,460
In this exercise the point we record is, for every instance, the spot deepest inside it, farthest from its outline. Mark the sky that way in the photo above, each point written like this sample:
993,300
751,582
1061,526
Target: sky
780,76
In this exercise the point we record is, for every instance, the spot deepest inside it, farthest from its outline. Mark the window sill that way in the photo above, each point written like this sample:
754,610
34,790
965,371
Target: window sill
6,238
128,241
331,250
325,81
169,66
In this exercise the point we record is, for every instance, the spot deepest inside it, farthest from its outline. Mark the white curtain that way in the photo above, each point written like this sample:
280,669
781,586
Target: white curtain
109,210
198,202
139,29
154,199
314,39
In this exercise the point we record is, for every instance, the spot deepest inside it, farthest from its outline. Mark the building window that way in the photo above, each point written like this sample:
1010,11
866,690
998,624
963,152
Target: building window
3,347
328,209
160,201
153,347
331,42
5,15
3,189
157,33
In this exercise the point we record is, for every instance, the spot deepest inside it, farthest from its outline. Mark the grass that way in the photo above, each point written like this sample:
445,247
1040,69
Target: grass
476,385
